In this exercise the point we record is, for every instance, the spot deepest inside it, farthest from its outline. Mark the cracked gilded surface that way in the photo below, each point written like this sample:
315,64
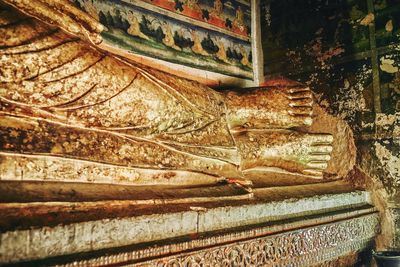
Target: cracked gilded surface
65,102
292,151
270,107
64,15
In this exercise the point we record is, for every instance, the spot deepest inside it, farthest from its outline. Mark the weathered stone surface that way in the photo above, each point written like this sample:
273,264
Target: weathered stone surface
127,224
324,244
379,155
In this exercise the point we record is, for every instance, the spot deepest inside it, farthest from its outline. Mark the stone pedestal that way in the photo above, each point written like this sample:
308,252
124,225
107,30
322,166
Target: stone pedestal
299,225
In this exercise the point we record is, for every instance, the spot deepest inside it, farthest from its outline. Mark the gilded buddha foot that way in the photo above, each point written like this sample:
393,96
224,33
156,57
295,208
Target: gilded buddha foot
284,151
279,106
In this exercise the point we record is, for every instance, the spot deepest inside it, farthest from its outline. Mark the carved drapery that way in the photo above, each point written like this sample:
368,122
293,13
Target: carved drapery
66,104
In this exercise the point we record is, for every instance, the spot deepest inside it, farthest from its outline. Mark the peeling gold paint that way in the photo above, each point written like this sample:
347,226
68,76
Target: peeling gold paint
368,19
387,65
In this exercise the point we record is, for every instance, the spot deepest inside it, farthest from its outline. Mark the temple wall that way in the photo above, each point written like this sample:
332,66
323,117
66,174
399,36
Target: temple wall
349,52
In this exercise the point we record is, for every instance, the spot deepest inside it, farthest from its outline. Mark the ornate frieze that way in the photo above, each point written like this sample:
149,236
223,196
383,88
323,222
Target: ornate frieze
302,247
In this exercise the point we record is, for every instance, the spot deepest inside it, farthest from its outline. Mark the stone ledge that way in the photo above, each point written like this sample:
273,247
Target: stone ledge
39,241
20,216
308,241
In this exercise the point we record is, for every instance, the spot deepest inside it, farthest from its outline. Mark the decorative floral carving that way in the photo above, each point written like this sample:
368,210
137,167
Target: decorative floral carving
303,247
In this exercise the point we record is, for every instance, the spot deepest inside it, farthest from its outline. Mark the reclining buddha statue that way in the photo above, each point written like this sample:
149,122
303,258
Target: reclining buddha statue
70,110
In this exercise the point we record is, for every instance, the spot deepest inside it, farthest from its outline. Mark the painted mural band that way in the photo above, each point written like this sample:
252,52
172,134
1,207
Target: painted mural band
146,32
233,16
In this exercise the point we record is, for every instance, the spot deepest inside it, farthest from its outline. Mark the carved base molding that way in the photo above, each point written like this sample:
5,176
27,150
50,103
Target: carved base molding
304,247
296,231
308,246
